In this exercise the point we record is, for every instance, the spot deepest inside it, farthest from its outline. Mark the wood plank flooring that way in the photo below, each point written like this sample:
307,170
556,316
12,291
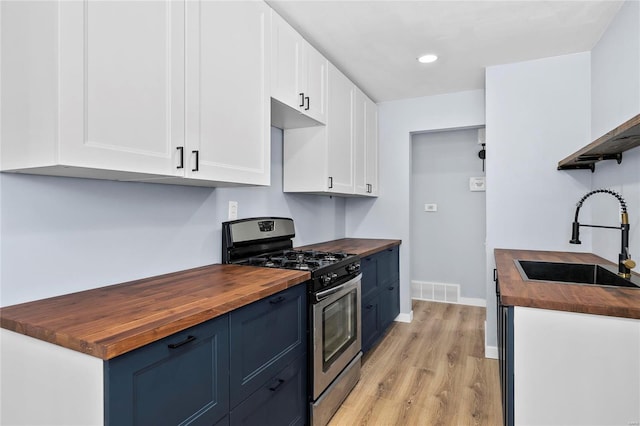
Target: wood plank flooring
430,372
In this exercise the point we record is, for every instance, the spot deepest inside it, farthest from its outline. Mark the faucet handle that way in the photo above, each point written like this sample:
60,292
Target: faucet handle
629,263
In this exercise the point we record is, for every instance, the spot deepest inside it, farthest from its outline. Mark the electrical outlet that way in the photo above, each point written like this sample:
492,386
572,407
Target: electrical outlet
477,184
430,207
233,210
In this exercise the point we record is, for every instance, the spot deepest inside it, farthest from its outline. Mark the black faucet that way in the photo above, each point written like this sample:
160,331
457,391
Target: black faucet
625,264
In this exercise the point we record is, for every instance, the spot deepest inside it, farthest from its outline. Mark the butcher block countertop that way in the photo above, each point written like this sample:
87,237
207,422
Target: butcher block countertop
588,299
110,321
360,246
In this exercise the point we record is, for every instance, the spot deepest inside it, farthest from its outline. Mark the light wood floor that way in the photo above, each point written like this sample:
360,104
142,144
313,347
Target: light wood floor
429,372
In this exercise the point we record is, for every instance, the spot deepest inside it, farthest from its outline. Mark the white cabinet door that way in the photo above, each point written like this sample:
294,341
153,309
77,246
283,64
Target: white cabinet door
371,147
298,78
286,76
339,136
365,145
360,143
121,85
228,121
315,83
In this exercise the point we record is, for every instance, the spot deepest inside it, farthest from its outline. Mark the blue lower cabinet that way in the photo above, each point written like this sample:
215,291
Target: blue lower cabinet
181,379
264,338
380,294
247,367
279,401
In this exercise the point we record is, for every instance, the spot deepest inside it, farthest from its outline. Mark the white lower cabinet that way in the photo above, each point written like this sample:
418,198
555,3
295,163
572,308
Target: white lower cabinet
137,90
575,369
333,159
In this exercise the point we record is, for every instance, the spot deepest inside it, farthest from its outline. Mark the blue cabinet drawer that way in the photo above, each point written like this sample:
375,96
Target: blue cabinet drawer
369,269
280,401
181,379
389,265
265,337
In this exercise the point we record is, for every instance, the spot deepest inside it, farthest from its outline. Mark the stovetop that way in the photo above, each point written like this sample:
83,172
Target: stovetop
302,260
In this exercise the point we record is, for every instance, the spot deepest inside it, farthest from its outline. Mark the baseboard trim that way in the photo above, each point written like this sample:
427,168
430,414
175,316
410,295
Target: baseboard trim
491,352
468,301
402,317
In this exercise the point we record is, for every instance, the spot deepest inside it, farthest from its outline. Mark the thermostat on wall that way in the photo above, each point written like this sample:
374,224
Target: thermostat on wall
477,184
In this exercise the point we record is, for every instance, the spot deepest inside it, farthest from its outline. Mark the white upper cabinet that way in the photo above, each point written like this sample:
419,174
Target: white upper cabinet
371,147
340,158
298,79
137,90
365,130
228,135
340,141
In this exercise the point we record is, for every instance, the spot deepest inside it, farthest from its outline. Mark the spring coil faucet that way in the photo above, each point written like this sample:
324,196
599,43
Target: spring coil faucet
625,264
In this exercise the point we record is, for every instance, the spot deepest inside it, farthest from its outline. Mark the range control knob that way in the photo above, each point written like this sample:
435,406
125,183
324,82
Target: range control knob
326,279
353,267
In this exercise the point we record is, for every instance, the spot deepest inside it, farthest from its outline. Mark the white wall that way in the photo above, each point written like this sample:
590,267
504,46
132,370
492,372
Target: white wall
447,245
615,98
388,216
538,112
61,235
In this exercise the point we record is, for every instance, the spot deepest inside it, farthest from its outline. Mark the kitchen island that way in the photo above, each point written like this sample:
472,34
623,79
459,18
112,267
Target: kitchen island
569,353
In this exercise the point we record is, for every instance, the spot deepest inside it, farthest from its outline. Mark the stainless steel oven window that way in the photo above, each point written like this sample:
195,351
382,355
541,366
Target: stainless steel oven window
339,327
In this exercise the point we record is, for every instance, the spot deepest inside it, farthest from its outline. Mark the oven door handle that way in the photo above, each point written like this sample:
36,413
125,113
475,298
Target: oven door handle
324,294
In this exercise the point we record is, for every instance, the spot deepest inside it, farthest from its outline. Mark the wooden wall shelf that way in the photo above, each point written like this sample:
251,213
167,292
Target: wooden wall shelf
607,147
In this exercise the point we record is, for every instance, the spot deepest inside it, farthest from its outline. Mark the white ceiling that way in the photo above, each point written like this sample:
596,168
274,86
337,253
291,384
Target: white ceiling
376,43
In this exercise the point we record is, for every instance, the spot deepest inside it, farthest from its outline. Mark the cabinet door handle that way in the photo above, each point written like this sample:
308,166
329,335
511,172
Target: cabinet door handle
189,339
391,288
275,387
368,307
197,153
495,274
301,99
330,182
181,149
307,99
277,300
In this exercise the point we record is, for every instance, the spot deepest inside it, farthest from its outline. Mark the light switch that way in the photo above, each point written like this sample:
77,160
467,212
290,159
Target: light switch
430,207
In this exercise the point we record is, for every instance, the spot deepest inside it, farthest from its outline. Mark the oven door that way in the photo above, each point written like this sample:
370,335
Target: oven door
336,331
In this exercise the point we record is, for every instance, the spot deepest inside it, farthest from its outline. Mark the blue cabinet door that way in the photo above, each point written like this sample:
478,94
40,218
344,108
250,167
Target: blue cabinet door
370,322
265,337
181,379
369,269
389,304
280,401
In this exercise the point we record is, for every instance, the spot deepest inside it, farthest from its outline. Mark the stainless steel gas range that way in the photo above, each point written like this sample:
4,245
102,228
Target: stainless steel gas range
334,304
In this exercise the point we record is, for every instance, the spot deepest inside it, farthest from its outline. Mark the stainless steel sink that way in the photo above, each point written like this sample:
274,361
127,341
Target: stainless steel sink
574,273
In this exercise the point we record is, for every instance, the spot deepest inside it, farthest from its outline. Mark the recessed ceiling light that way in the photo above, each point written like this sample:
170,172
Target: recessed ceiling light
427,59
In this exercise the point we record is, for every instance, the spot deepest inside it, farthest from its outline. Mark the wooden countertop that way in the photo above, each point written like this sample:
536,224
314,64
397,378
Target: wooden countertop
588,299
110,321
360,246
